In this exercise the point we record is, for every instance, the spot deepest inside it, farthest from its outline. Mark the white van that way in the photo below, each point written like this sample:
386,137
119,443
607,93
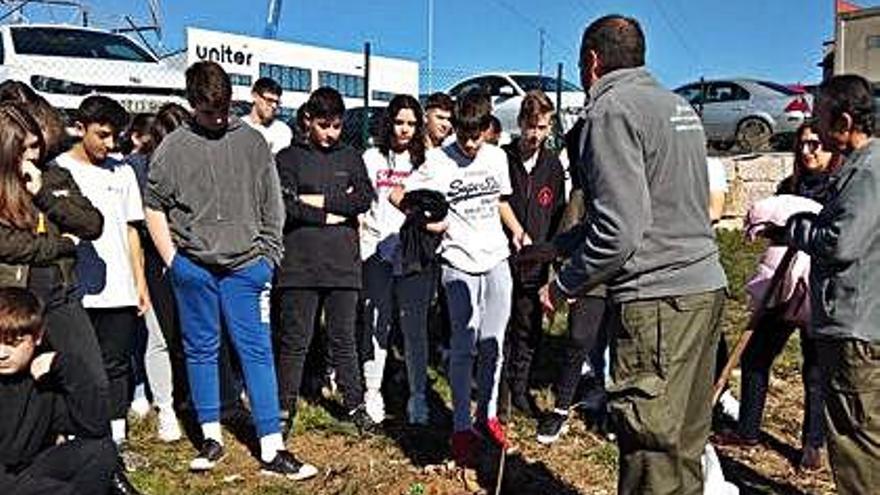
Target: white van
65,64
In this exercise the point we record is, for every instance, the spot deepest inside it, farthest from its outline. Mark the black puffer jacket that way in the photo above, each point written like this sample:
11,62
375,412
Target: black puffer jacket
43,259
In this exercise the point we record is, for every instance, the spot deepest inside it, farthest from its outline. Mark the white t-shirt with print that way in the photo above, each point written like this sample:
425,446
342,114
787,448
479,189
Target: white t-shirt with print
113,189
475,241
380,232
278,135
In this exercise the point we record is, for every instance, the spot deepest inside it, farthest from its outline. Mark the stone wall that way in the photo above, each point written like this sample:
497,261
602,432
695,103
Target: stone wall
749,179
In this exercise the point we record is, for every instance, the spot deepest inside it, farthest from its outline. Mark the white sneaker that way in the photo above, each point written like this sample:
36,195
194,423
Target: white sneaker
168,429
375,405
417,412
729,405
140,407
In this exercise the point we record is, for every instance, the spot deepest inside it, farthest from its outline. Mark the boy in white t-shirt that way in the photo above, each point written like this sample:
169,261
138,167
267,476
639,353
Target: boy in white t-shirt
475,273
266,95
110,268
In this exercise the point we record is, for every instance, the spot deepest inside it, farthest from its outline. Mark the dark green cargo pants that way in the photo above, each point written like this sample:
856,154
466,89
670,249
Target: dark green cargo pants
660,396
852,413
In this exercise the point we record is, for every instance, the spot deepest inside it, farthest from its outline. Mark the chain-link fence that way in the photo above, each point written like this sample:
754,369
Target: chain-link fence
65,64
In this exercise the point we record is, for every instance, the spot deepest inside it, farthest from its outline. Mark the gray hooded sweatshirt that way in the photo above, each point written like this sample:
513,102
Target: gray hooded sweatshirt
647,232
222,196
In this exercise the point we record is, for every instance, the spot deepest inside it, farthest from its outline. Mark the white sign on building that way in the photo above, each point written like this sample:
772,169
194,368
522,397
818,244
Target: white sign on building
300,69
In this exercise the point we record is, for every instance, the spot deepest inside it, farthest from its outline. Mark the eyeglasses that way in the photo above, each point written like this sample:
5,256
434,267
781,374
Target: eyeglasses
811,145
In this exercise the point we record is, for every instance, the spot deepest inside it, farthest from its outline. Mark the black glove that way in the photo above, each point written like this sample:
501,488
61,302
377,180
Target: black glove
536,254
778,236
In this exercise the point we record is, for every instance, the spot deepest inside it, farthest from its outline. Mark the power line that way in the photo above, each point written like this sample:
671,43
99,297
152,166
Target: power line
677,33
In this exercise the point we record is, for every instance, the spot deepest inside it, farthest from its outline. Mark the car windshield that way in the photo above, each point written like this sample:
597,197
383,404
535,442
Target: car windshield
779,88
78,43
546,84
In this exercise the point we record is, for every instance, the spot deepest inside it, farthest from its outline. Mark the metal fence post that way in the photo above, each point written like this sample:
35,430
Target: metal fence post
365,125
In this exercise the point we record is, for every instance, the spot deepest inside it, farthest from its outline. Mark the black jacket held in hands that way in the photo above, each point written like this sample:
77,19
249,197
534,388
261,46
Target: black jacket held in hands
538,200
43,260
317,254
422,206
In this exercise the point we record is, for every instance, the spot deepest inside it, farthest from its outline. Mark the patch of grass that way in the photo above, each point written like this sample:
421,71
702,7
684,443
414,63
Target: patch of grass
739,257
604,454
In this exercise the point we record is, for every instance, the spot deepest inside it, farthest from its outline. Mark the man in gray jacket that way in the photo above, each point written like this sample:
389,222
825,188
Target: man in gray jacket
215,214
843,241
647,235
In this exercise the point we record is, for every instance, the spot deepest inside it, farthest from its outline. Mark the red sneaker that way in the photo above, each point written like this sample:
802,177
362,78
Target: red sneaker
464,447
493,431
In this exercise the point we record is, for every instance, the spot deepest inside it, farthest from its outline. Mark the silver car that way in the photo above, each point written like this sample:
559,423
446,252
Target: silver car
747,112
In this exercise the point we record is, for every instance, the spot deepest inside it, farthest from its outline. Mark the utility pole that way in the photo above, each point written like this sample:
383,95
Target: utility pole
430,46
541,53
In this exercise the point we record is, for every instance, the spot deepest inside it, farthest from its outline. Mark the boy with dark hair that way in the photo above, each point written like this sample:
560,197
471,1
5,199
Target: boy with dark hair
266,95
325,187
538,200
110,268
215,215
475,274
438,119
42,396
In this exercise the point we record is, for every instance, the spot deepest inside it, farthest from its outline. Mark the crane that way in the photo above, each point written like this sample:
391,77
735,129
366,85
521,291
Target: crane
272,19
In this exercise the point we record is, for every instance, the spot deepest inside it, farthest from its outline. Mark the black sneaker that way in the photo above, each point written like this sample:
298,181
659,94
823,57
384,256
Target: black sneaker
285,464
552,426
362,421
119,484
208,457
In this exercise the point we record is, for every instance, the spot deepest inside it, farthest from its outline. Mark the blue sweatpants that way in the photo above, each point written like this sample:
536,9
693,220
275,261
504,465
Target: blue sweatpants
242,298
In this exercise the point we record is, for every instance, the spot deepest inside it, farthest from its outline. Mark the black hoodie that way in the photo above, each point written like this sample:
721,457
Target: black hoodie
538,200
317,254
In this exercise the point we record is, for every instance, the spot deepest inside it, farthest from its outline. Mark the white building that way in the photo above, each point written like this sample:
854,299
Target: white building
300,69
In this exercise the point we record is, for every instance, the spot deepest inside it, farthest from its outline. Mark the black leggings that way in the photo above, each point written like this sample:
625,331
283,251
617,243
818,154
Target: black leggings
78,466
587,321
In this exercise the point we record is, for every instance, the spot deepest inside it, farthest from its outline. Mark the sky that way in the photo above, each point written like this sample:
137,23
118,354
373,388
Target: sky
779,40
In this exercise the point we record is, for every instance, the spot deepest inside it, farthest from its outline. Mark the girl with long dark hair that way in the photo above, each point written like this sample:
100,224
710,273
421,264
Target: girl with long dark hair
389,293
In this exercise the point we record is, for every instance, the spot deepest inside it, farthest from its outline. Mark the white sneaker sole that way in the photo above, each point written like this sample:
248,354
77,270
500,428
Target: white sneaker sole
549,439
305,472
201,465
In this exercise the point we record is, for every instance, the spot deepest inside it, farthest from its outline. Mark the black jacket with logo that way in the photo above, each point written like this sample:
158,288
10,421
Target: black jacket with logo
538,200
317,254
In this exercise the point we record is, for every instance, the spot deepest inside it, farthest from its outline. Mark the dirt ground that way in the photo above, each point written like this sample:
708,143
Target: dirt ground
414,461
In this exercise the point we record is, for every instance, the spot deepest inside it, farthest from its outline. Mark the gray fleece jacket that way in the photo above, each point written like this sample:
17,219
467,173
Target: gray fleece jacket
221,196
647,232
843,242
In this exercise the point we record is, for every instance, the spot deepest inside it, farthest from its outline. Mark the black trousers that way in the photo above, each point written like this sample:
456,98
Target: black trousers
115,328
79,466
587,322
299,314
767,343
524,332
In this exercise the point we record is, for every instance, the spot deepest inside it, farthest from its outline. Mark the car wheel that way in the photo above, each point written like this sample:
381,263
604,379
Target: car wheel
753,134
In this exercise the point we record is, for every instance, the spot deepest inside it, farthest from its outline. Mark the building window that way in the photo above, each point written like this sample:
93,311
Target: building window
290,78
240,80
348,85
382,95
873,42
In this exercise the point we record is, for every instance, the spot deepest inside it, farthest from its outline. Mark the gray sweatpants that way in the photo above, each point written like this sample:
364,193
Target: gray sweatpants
479,308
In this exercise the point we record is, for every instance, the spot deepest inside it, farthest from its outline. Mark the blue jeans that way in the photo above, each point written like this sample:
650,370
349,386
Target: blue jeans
242,298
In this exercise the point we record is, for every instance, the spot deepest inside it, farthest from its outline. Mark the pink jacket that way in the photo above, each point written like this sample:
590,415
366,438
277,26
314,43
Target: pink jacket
793,291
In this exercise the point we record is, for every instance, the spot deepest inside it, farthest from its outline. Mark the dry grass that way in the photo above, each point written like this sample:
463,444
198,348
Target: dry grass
412,461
